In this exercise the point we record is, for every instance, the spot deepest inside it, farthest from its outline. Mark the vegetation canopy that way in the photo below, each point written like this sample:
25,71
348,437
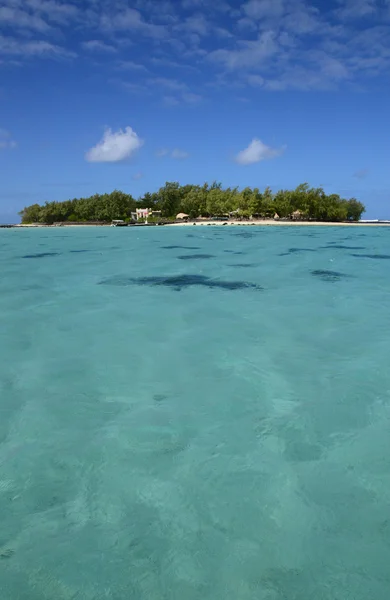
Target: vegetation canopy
206,200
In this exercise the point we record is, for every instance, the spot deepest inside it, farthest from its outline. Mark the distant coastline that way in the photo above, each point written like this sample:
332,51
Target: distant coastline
207,202
202,223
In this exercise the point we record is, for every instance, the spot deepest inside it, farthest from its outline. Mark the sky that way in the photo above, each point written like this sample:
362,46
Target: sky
99,95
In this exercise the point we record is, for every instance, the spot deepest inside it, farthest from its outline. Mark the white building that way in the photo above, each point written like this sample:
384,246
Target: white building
143,213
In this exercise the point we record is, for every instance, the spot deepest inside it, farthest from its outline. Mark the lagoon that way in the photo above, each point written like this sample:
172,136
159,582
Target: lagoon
195,413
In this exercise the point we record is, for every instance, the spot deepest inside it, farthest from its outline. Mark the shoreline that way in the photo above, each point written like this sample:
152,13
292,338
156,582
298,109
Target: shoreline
258,222
265,222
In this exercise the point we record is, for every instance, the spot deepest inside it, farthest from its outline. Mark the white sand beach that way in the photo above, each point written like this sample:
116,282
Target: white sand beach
258,222
271,222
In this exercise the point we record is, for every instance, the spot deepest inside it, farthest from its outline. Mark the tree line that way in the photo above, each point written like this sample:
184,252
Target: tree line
201,200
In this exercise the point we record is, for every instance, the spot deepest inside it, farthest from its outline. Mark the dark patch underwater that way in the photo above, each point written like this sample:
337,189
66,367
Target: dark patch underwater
342,247
329,275
195,256
243,265
41,255
373,256
179,282
180,247
297,251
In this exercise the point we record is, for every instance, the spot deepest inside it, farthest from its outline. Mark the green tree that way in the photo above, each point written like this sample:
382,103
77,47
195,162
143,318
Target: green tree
256,202
216,202
355,209
194,203
197,200
170,198
268,204
30,214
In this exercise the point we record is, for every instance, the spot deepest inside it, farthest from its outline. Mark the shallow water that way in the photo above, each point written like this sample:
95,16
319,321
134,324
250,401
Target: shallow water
213,427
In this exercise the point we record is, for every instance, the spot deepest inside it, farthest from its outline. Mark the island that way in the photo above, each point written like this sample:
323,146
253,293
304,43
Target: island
174,202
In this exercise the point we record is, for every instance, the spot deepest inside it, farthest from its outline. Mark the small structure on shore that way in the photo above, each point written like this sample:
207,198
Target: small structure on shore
118,223
143,213
182,217
276,217
297,215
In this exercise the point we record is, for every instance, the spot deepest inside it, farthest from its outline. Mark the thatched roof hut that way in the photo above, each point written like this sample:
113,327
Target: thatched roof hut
276,217
182,216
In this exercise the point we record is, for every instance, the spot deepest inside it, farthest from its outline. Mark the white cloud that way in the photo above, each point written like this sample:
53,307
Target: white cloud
58,12
355,9
179,154
196,24
132,20
256,152
285,44
115,146
98,46
6,141
39,48
21,19
260,9
250,54
303,20
137,176
246,24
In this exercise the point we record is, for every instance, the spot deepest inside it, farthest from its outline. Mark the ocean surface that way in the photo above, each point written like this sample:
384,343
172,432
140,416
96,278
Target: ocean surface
195,413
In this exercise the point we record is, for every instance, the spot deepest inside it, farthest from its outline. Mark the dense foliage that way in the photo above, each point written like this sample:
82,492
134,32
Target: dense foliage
205,200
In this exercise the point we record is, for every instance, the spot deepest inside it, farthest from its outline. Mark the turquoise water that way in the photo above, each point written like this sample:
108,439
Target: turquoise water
177,427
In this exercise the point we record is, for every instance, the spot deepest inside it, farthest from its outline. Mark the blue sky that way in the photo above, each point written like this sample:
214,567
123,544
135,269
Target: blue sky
97,95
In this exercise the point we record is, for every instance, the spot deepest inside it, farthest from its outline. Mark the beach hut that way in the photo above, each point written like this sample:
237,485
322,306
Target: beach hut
297,215
182,216
276,217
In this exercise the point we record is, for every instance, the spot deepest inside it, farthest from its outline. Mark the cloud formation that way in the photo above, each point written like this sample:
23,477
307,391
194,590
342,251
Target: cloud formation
131,19
256,152
20,19
284,44
115,146
98,46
